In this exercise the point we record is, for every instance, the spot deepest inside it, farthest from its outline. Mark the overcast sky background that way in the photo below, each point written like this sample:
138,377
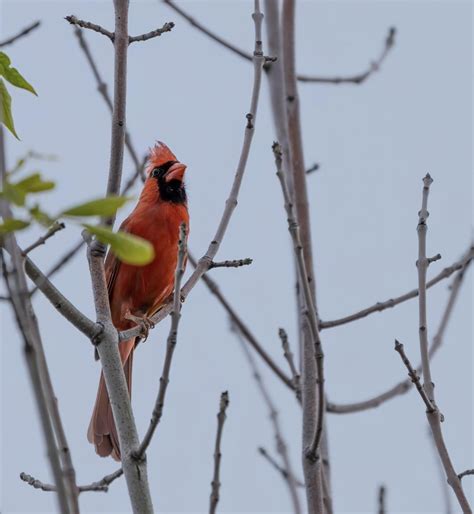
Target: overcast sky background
374,143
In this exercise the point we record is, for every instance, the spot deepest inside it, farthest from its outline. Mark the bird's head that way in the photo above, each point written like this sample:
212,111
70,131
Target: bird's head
165,172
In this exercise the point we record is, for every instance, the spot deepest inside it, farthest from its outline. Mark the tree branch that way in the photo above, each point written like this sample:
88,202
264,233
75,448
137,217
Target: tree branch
20,34
167,27
37,484
358,78
231,264
381,500
55,227
272,461
466,473
392,302
91,26
216,484
291,363
313,353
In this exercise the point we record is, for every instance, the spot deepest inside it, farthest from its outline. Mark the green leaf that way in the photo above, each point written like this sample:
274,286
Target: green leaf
101,207
14,194
35,184
6,109
12,224
4,60
127,247
16,79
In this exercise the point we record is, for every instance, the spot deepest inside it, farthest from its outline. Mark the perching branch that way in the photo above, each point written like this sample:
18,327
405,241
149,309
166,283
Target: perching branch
231,264
313,351
73,20
55,227
170,345
359,78
280,444
216,484
406,385
392,302
20,34
231,202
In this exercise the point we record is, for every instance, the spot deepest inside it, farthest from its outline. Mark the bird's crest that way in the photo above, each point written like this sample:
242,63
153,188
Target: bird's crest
158,155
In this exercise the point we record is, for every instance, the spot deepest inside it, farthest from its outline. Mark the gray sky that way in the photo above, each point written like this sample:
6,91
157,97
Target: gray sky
374,143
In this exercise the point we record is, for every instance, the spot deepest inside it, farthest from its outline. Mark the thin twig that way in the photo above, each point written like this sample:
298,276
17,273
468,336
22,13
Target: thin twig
280,444
237,263
55,227
466,473
381,500
315,352
406,385
37,484
167,27
392,302
272,461
448,508
216,484
20,34
314,167
170,346
231,202
73,20
358,78
434,416
288,354
414,377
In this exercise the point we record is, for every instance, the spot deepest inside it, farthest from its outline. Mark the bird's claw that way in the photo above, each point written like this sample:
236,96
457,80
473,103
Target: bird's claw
144,323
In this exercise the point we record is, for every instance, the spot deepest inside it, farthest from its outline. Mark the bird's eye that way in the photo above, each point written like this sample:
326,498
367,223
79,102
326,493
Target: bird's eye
155,172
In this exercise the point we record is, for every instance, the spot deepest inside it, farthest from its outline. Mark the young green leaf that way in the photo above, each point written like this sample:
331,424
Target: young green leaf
16,79
13,194
6,109
40,216
100,207
4,60
35,184
127,247
12,224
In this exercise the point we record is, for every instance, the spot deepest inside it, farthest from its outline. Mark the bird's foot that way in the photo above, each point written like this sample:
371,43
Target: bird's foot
143,322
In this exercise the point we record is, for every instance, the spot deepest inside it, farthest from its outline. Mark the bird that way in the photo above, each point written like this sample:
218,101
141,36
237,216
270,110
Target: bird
137,292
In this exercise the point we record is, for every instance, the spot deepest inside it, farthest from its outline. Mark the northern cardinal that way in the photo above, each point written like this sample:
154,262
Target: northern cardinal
137,292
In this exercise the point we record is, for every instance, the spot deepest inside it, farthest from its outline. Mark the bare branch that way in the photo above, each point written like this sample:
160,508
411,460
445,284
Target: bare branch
37,484
216,484
55,227
170,346
314,167
359,78
271,460
448,508
280,443
381,500
392,302
20,34
466,473
315,351
231,202
231,264
414,377
406,385
88,25
167,27
434,416
291,363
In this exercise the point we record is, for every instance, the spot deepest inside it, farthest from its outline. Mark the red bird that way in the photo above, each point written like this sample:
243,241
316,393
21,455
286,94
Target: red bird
137,292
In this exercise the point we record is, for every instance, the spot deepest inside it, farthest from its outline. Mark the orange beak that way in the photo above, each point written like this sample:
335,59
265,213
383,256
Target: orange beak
176,172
